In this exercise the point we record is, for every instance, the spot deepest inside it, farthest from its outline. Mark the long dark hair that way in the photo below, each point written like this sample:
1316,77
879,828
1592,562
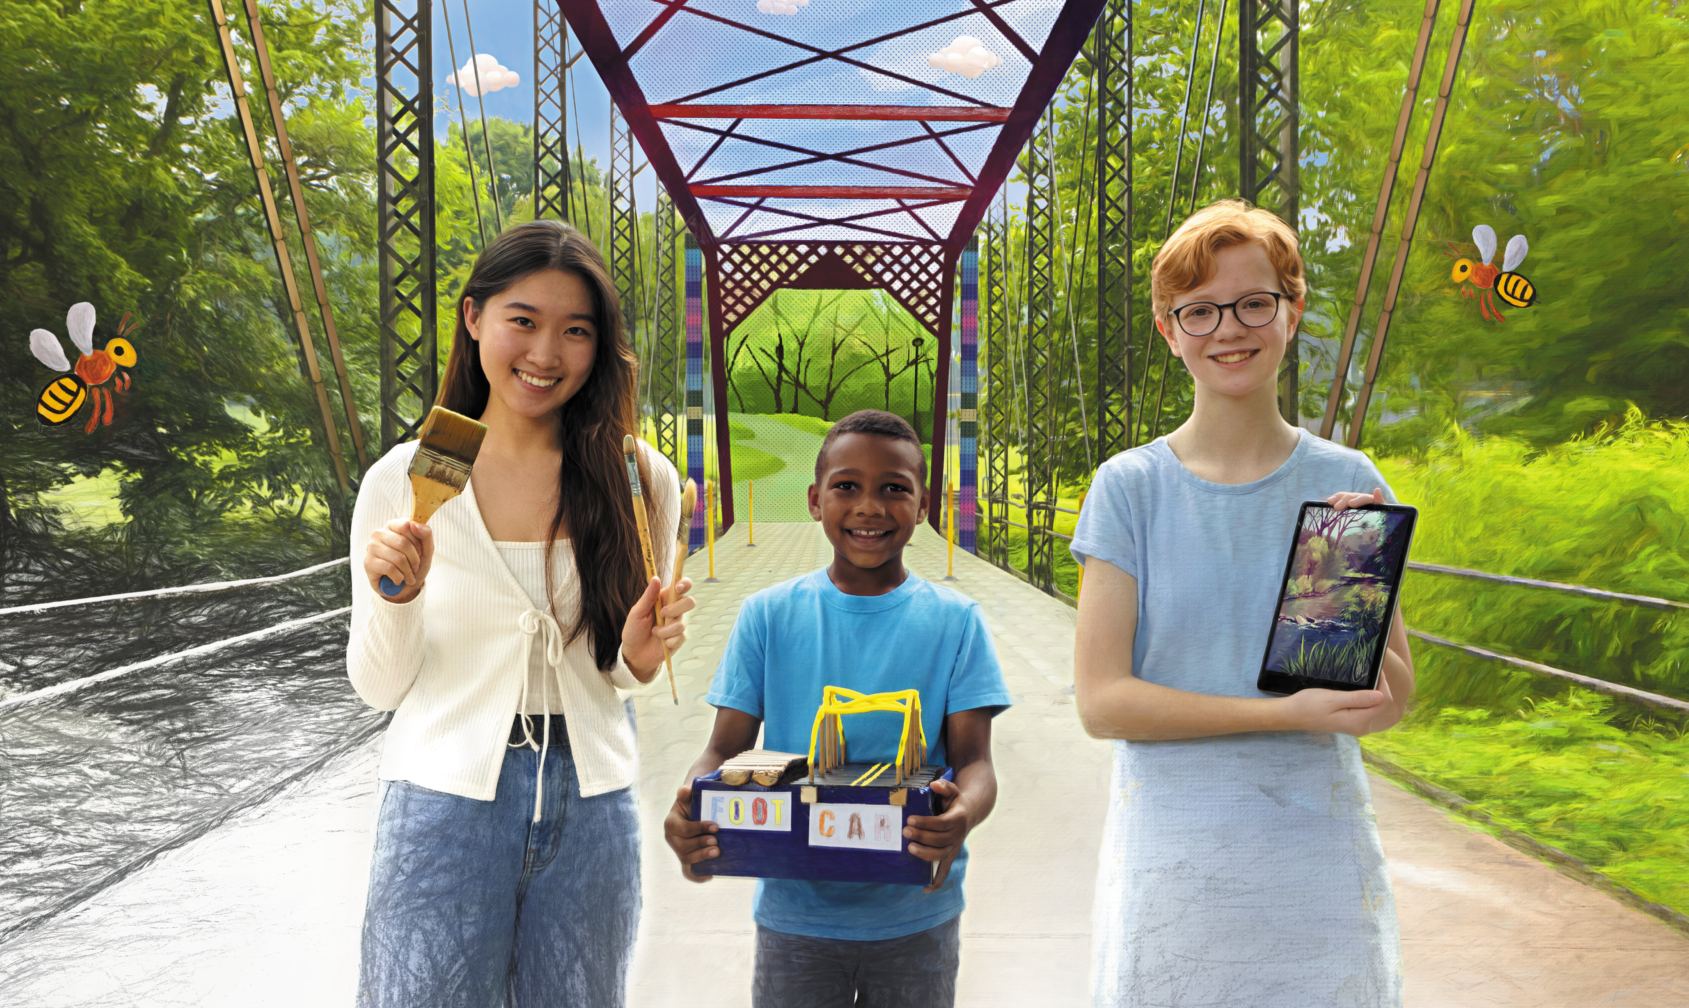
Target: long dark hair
592,489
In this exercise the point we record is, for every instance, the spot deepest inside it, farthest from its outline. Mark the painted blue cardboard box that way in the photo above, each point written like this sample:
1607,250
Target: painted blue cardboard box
844,834
824,818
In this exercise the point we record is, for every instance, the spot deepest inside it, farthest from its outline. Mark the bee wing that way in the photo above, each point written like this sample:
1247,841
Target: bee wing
45,346
80,321
1517,246
1483,236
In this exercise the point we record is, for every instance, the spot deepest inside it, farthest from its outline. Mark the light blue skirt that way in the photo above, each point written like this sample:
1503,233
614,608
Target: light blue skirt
1244,870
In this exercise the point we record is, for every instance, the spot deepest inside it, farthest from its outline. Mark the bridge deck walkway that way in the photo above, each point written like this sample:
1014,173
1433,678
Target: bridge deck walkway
265,911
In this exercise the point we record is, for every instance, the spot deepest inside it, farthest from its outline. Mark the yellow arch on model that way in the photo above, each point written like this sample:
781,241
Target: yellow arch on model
827,740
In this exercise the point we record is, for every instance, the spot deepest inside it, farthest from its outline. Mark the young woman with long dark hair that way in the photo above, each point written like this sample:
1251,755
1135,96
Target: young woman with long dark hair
506,863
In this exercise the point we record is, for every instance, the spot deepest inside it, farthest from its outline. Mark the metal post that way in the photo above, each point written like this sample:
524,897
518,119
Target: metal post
624,223
1111,50
695,374
1269,150
1038,481
967,421
998,392
664,384
404,146
551,116
709,524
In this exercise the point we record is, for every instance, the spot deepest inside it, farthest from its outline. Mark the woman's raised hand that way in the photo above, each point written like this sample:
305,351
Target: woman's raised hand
644,643
401,550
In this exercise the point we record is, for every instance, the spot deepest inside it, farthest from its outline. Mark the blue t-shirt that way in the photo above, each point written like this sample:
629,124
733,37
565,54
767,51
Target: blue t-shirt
1208,557
795,638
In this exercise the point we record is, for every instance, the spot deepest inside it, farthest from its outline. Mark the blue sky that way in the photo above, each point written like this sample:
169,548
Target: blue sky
504,29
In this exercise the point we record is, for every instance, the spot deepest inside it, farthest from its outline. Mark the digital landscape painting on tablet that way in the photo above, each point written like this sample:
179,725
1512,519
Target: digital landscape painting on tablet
1338,594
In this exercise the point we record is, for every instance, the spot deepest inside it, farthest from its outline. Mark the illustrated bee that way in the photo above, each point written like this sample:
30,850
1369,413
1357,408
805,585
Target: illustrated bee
1513,288
65,394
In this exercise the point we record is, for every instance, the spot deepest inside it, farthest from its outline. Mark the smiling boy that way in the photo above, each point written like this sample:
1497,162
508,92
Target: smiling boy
866,623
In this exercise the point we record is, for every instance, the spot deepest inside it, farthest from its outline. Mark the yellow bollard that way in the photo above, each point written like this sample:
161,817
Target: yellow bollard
709,524
950,530
751,513
1080,587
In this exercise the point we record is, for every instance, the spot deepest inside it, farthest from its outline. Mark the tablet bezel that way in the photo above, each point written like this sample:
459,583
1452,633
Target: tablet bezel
1283,683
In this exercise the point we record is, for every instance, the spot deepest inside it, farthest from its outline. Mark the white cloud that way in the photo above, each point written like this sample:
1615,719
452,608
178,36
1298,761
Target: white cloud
781,6
492,75
965,56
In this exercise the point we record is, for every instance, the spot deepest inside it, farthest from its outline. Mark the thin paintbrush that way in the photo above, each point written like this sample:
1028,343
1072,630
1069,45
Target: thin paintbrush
449,443
688,504
630,454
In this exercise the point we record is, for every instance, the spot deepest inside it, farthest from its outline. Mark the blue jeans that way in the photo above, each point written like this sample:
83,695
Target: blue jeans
914,971
473,905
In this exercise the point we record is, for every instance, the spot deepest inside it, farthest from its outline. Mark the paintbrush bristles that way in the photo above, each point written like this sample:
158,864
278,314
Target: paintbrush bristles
627,444
688,505
444,454
452,434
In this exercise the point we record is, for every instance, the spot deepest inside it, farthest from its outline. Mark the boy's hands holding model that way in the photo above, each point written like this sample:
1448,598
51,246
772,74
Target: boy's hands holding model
939,838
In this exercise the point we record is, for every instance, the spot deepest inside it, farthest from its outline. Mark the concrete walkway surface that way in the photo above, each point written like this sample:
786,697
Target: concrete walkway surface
265,911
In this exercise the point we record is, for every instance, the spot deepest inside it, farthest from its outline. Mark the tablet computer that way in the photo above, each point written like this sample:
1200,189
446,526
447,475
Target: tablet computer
1337,598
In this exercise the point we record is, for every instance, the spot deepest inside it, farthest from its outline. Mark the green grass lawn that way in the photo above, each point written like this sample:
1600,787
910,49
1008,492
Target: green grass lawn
1563,770
807,424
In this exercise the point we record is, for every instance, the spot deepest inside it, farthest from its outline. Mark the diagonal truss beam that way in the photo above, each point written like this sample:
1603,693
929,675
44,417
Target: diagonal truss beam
1066,35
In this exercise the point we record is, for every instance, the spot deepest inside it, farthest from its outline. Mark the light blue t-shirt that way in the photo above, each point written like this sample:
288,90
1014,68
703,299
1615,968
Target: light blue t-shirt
795,638
1208,557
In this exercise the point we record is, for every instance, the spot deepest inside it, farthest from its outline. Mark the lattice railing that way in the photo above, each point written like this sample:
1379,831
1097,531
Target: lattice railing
912,273
1111,51
405,215
1041,368
551,115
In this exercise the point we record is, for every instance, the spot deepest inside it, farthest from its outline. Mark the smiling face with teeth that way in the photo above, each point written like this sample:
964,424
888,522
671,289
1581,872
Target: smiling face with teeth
537,339
1234,360
868,497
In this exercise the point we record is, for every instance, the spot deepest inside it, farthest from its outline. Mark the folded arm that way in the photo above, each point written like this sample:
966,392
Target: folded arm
1114,703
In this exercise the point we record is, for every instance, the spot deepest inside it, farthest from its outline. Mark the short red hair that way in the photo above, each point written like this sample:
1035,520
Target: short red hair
1186,262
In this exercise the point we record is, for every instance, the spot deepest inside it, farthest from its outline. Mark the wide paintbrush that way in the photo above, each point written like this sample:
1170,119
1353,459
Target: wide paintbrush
630,455
449,443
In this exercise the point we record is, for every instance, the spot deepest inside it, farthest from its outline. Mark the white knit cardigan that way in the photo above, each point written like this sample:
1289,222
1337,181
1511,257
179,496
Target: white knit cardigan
453,661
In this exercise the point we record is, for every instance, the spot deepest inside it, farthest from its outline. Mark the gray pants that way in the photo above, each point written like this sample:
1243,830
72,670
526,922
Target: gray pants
914,971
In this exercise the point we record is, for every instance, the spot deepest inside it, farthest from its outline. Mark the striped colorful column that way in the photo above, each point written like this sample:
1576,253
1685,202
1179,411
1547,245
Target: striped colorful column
695,380
968,443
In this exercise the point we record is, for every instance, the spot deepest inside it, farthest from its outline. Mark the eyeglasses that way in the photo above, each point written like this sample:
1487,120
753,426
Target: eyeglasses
1199,318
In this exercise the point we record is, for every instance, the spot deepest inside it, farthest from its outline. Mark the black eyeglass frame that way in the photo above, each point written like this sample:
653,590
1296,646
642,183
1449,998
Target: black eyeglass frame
1220,313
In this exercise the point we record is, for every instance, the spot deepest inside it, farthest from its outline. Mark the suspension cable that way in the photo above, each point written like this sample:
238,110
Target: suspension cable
1207,107
1167,228
463,119
480,100
1067,272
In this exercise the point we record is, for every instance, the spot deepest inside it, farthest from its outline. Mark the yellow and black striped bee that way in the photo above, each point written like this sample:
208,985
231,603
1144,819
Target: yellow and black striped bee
1510,286
65,394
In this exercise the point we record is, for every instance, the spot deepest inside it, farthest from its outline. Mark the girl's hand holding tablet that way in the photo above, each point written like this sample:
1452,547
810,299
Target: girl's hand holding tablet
1339,501
1345,712
643,641
402,551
